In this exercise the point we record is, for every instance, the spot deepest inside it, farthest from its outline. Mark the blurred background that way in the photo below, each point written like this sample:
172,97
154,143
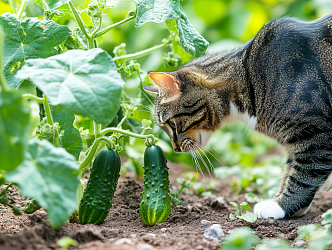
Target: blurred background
255,159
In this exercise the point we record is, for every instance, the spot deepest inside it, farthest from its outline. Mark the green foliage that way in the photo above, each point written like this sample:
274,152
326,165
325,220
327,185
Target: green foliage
240,214
49,175
162,10
70,137
66,242
14,129
240,239
27,39
87,79
188,184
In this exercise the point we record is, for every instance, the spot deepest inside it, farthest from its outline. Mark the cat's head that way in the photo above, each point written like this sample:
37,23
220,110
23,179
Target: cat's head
185,107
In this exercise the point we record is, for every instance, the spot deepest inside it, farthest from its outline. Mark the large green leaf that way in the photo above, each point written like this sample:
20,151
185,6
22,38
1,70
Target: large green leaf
82,82
156,11
51,4
162,10
49,175
27,39
192,41
14,129
70,138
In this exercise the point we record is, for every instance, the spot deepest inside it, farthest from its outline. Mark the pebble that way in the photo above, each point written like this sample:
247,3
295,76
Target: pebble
124,241
143,246
198,205
205,223
190,208
300,243
214,232
163,230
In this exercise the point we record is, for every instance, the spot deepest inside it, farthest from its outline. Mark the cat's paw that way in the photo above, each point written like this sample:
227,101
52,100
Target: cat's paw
269,208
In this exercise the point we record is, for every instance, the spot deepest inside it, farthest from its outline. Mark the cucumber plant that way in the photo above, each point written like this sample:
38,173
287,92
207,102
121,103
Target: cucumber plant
240,214
78,88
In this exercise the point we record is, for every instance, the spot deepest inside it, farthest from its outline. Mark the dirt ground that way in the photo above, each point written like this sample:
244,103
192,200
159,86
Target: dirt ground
124,230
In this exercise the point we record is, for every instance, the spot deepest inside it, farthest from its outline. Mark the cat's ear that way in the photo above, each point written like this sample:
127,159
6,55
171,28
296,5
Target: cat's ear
166,83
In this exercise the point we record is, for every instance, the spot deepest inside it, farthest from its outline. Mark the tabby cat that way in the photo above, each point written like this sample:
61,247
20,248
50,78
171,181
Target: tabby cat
279,83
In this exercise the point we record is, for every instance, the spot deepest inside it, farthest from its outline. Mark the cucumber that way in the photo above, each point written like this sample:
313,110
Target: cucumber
97,197
155,204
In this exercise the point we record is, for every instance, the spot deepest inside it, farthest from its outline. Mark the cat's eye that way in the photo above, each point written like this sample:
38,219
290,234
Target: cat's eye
171,123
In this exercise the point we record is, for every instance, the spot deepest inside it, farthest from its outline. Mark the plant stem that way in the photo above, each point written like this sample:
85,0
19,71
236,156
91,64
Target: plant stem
31,96
22,9
50,120
79,20
91,153
2,78
93,35
122,121
143,52
12,5
128,133
113,26
97,129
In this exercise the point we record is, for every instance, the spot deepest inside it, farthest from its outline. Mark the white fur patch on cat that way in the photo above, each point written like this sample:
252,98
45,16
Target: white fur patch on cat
269,208
235,115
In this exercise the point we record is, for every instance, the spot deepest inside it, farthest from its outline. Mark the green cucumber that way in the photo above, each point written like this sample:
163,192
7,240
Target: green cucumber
97,197
155,204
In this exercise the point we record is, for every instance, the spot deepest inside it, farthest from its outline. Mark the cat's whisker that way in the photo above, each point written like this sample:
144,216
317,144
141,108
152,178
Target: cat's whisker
207,150
146,96
201,148
202,160
194,155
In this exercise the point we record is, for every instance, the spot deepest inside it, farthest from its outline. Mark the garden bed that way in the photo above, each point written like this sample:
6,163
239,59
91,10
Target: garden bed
123,228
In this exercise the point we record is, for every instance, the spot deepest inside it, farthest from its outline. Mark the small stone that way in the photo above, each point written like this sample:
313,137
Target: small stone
205,223
149,237
190,208
143,246
164,236
214,232
300,243
270,220
198,205
124,241
163,230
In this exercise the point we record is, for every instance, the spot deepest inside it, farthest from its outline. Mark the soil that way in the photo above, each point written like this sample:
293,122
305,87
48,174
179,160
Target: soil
124,230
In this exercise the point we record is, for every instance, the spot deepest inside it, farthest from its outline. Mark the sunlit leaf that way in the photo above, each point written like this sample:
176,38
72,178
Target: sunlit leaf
248,217
161,10
82,82
51,4
27,39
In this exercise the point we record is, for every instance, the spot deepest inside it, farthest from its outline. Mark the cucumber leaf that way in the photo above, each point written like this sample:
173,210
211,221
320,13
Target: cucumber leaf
14,129
27,39
156,11
162,10
51,4
70,138
191,40
50,175
82,82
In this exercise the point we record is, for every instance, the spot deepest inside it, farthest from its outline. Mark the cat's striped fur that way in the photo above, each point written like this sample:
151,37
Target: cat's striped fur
280,83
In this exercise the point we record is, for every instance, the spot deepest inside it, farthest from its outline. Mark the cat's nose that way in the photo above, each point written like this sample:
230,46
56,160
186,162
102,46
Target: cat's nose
176,145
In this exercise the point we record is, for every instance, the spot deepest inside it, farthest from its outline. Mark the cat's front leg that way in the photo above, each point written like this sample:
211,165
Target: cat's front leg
297,189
